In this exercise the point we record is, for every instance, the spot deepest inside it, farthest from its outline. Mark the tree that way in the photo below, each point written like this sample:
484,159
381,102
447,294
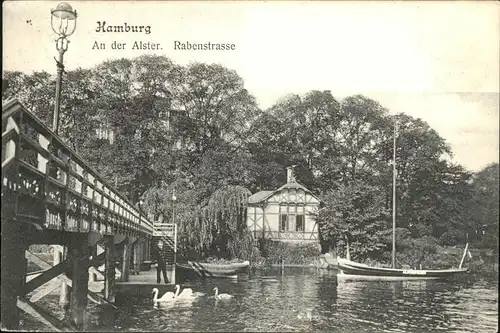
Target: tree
78,114
485,199
216,225
295,131
159,127
36,92
219,106
358,137
135,105
431,193
225,212
355,212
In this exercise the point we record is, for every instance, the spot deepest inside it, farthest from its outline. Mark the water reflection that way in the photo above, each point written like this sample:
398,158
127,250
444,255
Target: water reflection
311,300
105,316
411,305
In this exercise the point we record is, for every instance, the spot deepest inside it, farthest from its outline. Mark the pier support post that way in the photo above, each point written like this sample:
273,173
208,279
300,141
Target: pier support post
93,253
143,250
133,251
126,261
137,256
13,247
109,275
64,296
79,254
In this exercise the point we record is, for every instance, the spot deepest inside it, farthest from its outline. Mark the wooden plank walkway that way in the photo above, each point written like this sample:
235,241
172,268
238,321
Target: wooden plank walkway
143,283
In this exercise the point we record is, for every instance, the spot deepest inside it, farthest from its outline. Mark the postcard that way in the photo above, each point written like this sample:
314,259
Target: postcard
250,165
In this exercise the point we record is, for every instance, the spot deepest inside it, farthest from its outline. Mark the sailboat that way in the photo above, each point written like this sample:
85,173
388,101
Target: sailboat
351,270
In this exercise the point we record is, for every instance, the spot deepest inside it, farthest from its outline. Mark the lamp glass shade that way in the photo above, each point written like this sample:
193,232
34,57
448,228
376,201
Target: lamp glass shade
64,11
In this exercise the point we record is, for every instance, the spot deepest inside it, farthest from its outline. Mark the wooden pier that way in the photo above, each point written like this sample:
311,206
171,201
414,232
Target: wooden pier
145,281
51,196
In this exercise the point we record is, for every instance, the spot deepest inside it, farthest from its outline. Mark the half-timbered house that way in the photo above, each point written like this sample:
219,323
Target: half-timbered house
286,214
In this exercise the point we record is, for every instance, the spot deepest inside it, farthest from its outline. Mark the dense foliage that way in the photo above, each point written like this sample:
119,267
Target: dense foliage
160,128
291,254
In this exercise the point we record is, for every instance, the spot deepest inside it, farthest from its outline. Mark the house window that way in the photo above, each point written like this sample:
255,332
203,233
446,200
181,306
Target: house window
283,222
105,132
299,223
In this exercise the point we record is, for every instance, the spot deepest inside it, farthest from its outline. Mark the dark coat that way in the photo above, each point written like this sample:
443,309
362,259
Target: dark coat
160,255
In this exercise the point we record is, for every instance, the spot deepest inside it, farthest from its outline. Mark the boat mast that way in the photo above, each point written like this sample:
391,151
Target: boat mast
394,197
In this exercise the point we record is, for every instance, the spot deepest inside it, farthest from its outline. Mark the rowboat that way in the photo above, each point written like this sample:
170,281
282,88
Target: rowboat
351,270
193,269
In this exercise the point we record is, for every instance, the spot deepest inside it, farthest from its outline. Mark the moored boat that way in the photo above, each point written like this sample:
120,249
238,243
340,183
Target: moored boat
352,270
193,269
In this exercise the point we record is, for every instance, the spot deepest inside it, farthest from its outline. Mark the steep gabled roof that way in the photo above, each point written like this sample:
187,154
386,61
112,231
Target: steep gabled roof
264,195
259,196
293,185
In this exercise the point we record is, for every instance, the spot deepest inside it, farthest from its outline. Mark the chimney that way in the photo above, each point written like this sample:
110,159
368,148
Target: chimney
290,178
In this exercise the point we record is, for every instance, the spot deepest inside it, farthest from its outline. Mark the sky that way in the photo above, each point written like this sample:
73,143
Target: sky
438,61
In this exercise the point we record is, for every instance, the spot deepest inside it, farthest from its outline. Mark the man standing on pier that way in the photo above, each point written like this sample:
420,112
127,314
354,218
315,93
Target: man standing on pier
161,266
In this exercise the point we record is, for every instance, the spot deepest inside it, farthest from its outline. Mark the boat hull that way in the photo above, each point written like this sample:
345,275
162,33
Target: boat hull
350,270
193,269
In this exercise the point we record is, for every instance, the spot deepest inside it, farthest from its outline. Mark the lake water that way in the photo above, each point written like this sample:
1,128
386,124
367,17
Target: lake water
309,300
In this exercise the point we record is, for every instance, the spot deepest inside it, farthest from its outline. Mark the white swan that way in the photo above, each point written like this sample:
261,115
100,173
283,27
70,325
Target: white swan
167,297
221,296
187,293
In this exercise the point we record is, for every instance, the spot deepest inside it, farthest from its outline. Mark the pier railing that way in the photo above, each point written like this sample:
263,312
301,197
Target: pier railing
165,229
167,232
46,183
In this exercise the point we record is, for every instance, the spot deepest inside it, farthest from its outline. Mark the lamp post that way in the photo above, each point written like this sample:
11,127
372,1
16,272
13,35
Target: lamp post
394,170
175,231
174,198
63,22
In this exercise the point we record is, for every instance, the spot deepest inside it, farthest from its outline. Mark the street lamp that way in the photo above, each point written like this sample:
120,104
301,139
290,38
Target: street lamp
173,206
175,227
63,22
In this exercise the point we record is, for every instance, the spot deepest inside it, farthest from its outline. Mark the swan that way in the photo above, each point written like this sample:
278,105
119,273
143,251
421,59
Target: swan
221,296
188,293
167,297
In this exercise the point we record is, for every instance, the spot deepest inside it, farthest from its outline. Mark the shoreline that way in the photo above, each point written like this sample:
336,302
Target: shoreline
295,266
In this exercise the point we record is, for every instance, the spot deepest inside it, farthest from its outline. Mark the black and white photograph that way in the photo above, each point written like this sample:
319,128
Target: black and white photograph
250,166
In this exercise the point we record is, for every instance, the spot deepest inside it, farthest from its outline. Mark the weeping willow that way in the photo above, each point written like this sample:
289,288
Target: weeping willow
215,225
226,208
155,202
